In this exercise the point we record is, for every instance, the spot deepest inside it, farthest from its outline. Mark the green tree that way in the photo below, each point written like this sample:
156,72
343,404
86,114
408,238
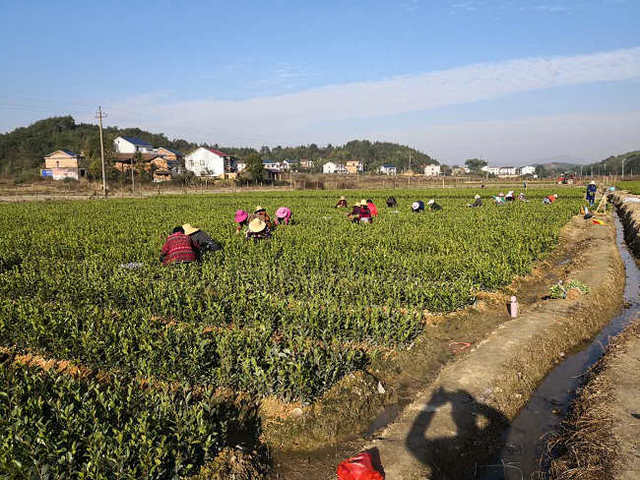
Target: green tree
475,164
254,170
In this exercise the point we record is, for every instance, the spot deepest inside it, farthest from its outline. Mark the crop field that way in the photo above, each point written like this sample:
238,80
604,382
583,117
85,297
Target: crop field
631,186
156,350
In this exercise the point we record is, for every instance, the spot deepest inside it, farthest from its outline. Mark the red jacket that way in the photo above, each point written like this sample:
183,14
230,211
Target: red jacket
178,249
551,198
373,209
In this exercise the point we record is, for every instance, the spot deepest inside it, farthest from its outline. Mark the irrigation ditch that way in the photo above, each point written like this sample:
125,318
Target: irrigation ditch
483,413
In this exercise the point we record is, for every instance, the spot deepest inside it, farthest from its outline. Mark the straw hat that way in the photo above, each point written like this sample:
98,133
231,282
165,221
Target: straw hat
431,202
256,225
342,197
415,205
555,195
592,182
363,202
476,196
259,209
189,229
241,216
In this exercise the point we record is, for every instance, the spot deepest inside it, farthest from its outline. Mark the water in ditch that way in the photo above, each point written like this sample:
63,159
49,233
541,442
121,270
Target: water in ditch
525,439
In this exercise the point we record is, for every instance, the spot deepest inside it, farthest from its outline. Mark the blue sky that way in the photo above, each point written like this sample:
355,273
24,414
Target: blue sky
511,81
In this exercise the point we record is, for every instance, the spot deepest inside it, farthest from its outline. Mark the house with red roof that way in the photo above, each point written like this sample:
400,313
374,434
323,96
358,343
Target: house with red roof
210,162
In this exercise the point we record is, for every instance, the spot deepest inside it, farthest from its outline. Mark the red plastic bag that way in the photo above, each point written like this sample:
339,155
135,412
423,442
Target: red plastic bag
359,467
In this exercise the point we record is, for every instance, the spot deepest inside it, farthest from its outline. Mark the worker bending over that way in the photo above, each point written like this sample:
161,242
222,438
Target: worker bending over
366,215
258,230
261,213
391,202
549,199
242,219
417,206
433,206
201,241
342,203
372,208
178,248
284,216
477,202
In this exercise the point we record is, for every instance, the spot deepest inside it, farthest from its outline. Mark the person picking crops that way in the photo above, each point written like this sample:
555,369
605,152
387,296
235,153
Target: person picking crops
261,213
201,240
477,202
433,206
549,199
591,193
372,208
509,197
178,248
242,219
354,216
391,202
499,199
258,230
365,213
342,203
284,216
417,206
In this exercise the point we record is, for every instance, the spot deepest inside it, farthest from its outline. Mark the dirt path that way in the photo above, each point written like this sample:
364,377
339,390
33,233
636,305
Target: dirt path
625,408
456,423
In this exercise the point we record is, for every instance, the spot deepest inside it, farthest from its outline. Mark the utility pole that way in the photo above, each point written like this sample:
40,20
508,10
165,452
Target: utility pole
623,168
133,185
100,116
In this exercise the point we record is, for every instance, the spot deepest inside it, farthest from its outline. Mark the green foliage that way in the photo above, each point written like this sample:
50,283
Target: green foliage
53,425
475,164
559,290
287,317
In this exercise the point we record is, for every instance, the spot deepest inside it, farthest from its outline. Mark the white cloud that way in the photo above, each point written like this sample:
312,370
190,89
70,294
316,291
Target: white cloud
587,137
307,115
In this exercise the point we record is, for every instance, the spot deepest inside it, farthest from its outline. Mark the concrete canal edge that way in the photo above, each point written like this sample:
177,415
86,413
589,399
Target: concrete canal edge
458,420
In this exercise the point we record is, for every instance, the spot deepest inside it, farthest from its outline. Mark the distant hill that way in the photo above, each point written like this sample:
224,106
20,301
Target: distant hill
22,149
613,165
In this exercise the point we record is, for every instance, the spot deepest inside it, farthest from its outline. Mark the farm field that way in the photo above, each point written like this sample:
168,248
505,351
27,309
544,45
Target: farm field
166,357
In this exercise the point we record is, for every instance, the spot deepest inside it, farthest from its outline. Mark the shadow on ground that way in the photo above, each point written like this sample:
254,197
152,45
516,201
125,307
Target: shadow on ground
454,434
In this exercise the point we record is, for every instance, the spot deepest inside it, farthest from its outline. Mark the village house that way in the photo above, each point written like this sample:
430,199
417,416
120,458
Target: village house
288,165
432,170
305,163
271,165
332,167
388,169
63,164
241,166
457,171
527,170
354,167
210,162
132,145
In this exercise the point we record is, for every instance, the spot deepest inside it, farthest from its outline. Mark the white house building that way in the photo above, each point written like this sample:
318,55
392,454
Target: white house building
491,170
331,167
271,165
209,162
527,170
132,145
508,172
388,169
432,170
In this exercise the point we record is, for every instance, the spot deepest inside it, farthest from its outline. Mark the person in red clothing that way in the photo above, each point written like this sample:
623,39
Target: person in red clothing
178,248
365,213
549,199
372,208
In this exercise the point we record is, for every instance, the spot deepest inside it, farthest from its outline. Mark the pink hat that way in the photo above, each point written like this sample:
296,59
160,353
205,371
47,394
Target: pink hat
241,216
283,212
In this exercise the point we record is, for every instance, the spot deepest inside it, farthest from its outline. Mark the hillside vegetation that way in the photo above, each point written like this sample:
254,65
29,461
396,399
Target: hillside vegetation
22,149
